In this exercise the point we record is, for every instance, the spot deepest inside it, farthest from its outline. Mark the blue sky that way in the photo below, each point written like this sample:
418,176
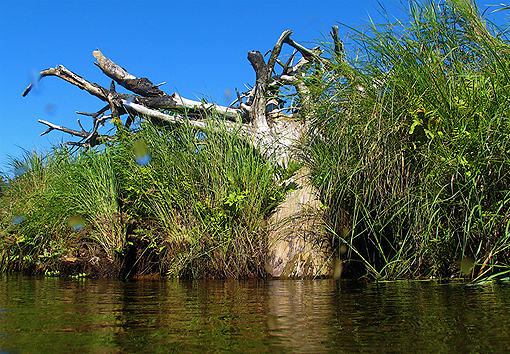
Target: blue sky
198,47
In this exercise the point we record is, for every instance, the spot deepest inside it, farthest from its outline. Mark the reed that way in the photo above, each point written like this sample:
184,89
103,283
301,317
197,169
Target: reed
411,147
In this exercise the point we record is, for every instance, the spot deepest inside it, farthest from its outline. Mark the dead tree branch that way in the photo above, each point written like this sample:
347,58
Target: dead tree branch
91,139
254,115
339,48
61,72
143,87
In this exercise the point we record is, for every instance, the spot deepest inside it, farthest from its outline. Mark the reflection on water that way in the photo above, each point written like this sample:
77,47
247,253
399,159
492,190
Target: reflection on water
43,315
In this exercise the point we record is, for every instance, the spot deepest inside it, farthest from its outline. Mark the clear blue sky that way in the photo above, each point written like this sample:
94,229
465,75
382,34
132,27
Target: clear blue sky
198,47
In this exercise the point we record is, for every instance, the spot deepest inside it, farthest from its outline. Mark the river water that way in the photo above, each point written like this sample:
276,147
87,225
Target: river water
53,315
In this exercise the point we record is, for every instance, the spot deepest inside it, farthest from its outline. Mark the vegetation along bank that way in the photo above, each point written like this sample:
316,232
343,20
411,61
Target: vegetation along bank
385,158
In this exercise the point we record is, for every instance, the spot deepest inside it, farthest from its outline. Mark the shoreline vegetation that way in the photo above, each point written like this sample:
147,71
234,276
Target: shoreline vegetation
408,147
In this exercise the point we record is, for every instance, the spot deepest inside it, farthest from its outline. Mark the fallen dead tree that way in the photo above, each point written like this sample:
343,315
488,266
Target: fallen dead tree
273,122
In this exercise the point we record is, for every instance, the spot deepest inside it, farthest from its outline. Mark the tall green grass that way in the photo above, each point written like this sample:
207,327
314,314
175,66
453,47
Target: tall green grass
411,145
171,200
209,195
49,201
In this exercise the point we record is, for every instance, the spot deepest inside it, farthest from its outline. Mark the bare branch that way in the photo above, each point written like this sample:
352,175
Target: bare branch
227,112
275,53
175,119
141,86
239,98
289,62
69,76
308,53
339,48
111,69
90,139
259,65
52,126
258,111
165,101
96,114
83,145
81,126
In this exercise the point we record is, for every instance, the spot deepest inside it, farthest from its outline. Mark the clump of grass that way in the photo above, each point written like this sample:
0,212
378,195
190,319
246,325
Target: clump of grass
209,195
40,202
164,199
411,148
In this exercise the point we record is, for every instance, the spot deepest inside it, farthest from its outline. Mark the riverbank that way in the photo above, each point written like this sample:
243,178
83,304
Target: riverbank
412,153
193,208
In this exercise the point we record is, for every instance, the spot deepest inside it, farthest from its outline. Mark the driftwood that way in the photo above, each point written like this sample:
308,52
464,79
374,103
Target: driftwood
256,114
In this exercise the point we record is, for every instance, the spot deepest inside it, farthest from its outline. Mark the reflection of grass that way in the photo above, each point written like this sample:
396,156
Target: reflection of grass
413,149
194,208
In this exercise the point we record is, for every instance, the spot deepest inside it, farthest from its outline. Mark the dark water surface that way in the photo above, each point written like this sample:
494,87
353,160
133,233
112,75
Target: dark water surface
52,315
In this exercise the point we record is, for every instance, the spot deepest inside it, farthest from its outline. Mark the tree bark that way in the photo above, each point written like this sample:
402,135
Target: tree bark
298,245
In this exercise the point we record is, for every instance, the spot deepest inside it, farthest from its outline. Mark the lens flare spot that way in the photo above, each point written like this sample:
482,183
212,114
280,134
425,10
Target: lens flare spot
18,220
76,222
228,94
466,265
20,170
142,156
143,160
50,109
34,78
337,268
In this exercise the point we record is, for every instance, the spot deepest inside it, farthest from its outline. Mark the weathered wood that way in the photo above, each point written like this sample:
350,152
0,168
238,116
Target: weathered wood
90,139
67,75
298,246
141,86
111,69
275,53
339,48
258,106
174,119
52,126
